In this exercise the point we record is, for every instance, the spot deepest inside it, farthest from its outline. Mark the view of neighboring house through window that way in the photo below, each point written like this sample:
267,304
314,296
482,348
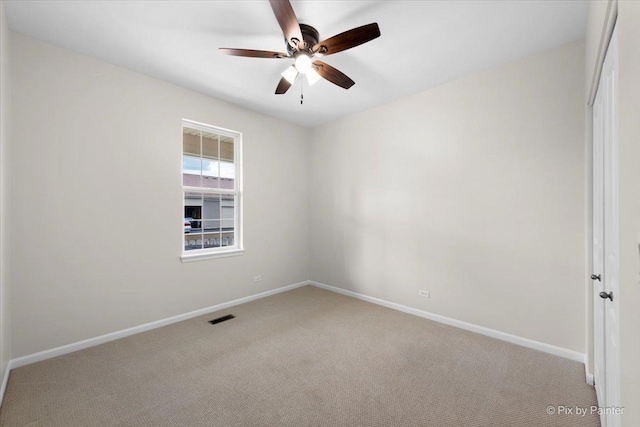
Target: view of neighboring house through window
211,186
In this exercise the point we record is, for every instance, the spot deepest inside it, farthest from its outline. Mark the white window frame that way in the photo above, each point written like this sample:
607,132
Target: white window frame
238,246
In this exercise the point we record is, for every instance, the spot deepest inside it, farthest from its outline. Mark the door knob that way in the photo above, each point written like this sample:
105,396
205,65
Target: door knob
594,277
605,295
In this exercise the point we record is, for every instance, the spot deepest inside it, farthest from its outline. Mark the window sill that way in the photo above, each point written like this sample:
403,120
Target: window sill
210,255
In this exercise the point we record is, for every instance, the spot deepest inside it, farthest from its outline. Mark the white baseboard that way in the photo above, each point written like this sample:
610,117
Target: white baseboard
5,380
80,345
589,377
514,339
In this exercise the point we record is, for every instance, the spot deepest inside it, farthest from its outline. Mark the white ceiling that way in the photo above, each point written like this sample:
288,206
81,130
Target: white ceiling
423,44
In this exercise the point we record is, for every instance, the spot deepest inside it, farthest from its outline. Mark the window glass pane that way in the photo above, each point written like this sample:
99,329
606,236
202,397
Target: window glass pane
210,166
227,176
227,212
210,173
226,148
210,145
191,157
212,226
191,171
227,239
227,165
193,210
192,242
211,240
211,206
187,226
191,142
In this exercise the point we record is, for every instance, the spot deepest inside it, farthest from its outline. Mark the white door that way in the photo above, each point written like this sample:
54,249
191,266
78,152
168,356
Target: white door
606,242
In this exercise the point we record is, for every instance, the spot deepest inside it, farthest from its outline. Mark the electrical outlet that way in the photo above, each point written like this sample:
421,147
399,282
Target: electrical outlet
257,278
424,294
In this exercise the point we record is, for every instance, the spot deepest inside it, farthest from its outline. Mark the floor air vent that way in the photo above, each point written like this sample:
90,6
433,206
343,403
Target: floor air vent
222,319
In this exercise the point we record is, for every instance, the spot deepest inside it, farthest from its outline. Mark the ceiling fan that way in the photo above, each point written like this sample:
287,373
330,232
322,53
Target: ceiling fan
303,45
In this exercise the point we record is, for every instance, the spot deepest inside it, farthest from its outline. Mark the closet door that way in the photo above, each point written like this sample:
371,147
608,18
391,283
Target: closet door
606,245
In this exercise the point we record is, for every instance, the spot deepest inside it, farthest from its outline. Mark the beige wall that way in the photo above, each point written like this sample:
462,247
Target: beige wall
96,179
5,96
473,190
629,192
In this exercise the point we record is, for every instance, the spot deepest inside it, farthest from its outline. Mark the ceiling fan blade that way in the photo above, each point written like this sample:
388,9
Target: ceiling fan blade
283,86
347,40
288,22
335,76
253,53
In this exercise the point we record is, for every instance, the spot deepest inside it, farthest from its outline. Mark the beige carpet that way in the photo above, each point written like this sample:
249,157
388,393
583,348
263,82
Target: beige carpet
307,357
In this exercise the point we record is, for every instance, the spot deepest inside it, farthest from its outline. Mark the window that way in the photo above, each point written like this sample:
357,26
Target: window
212,190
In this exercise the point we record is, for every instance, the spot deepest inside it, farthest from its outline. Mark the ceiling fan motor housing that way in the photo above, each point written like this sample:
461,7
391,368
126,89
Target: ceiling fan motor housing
311,38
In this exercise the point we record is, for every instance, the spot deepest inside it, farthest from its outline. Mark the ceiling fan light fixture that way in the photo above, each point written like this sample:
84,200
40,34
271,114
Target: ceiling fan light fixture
303,63
290,74
312,76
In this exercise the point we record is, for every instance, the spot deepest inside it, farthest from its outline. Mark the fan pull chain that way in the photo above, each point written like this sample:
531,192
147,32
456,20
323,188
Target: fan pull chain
301,95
